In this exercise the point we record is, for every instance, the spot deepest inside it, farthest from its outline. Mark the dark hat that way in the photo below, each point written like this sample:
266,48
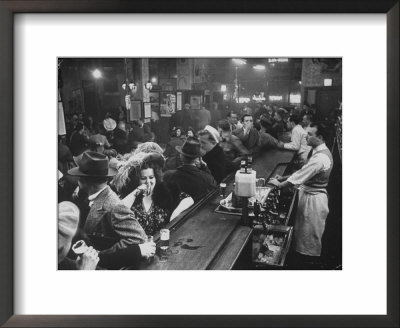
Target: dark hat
191,148
93,164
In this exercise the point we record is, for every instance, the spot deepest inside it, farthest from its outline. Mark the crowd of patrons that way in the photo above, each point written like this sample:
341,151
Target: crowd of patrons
117,185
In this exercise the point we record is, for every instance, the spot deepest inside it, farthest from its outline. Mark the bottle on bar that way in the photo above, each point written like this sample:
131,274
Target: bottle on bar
257,210
243,166
249,163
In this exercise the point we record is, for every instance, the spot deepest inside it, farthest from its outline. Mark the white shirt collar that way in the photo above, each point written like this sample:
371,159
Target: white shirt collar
94,196
320,147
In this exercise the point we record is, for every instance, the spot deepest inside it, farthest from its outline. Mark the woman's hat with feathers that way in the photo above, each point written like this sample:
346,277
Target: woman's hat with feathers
133,164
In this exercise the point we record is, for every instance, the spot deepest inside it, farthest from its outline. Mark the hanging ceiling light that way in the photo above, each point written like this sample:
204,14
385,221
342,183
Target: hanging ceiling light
128,86
259,67
239,61
97,74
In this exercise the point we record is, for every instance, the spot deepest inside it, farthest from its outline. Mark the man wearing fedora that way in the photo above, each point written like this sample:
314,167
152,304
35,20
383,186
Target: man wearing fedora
193,177
110,226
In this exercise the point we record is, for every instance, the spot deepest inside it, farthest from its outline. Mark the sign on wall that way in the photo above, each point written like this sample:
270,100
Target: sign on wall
167,104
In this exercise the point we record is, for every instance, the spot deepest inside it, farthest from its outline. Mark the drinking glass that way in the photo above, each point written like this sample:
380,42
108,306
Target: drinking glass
164,244
222,189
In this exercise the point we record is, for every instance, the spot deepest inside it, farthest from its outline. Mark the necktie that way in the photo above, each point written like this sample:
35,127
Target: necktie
309,154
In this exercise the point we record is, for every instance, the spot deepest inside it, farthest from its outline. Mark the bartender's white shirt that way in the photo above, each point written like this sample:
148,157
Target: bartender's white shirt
318,162
298,142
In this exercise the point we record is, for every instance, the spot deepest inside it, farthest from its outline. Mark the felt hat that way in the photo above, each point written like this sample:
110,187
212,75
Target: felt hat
191,148
109,124
93,164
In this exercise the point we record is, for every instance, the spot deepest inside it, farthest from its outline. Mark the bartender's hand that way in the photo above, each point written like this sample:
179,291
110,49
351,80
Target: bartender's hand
147,249
88,260
274,182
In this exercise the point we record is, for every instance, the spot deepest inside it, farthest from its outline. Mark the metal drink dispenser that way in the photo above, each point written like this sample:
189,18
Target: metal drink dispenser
245,187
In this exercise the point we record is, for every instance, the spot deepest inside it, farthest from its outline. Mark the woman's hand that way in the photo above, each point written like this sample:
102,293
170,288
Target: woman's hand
88,260
130,199
142,189
147,249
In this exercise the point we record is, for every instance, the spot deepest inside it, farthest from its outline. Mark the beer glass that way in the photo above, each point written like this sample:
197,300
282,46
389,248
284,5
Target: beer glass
164,244
260,182
80,247
222,189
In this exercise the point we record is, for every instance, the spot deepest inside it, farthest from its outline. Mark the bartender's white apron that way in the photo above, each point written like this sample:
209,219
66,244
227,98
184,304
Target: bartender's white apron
310,220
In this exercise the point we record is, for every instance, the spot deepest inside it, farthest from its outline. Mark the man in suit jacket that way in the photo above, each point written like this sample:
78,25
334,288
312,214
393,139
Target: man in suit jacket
213,155
193,177
247,134
110,226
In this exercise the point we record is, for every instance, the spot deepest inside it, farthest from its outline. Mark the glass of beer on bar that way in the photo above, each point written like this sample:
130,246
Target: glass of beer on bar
222,189
164,244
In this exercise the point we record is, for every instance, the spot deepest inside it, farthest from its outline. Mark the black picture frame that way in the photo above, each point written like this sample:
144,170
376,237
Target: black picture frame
10,7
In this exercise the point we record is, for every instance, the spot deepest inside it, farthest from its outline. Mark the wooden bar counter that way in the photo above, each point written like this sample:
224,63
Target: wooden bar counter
201,239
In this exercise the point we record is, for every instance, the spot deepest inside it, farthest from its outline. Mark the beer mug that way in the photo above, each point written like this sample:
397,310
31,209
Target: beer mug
80,247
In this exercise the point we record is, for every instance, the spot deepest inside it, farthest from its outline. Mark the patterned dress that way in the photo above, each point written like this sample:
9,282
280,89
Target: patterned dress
155,218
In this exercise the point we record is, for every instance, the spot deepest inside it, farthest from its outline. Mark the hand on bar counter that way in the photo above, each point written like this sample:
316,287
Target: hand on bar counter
274,182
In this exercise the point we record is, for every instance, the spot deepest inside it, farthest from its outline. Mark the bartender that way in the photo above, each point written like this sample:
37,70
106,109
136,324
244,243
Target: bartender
312,180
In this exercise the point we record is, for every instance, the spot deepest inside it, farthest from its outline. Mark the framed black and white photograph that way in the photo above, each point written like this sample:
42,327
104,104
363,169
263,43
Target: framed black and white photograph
249,181
167,103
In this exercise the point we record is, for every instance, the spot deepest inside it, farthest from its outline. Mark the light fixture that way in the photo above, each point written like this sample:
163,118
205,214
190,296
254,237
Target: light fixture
239,61
327,82
259,67
97,74
223,87
131,85
128,85
148,85
154,80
